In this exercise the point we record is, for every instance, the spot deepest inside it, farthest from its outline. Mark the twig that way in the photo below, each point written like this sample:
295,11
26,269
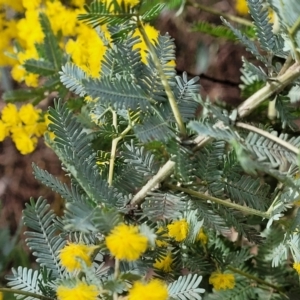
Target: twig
164,80
242,208
230,17
113,151
244,109
270,136
162,174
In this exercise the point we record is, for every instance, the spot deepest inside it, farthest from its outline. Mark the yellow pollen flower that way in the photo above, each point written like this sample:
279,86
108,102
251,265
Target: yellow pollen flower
125,242
71,252
4,132
154,290
296,266
178,230
222,281
202,237
28,114
165,263
81,291
10,115
241,7
160,242
24,143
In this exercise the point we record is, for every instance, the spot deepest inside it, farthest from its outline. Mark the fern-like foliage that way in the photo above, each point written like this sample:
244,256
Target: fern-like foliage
263,26
26,280
267,150
71,77
185,96
120,93
248,43
70,138
70,195
100,13
43,241
159,206
186,288
287,112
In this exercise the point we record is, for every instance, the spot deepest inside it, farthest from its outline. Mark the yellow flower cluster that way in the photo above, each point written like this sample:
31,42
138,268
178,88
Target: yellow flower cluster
222,281
202,237
153,290
81,291
241,7
296,266
71,253
79,40
24,126
165,264
126,243
178,230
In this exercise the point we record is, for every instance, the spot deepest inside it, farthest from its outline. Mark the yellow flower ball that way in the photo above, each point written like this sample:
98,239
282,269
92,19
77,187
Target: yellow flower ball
81,291
29,114
126,243
178,230
165,264
154,290
222,281
70,254
296,266
10,115
202,237
23,142
4,132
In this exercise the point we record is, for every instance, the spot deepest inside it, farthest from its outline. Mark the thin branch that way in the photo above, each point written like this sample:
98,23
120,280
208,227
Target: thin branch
227,203
161,175
113,151
270,136
28,294
273,87
218,13
164,80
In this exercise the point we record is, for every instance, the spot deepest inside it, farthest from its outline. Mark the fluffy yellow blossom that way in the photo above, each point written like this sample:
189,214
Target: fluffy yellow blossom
32,80
154,290
31,4
296,266
61,18
87,50
222,281
202,237
160,242
28,114
10,115
241,7
3,131
18,73
15,4
178,230
24,143
30,30
81,291
125,242
165,263
71,252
